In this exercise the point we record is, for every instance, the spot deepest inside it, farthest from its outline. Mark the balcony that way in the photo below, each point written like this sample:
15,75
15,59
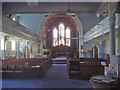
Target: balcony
13,28
101,29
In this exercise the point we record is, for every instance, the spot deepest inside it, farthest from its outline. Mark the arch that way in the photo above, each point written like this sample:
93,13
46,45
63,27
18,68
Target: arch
61,25
55,17
95,52
78,26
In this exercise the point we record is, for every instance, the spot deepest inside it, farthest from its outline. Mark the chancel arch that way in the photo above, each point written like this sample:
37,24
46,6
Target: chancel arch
46,25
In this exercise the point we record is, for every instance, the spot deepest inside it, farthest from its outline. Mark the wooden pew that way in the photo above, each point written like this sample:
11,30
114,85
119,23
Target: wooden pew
79,70
26,68
90,69
73,67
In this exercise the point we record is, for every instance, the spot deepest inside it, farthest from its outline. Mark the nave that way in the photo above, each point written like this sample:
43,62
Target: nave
56,77
33,33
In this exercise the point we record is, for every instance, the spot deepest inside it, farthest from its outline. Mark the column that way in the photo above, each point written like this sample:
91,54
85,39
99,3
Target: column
4,40
18,49
31,56
118,42
80,44
114,59
112,28
38,47
26,49
93,51
41,47
79,48
112,40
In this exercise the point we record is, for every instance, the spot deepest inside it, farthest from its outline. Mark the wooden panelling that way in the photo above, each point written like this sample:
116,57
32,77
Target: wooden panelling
85,68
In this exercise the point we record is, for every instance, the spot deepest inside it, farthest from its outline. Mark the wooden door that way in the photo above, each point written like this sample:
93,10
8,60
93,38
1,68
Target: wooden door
28,52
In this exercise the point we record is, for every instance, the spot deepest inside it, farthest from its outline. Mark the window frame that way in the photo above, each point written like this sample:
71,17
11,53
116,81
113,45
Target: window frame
64,37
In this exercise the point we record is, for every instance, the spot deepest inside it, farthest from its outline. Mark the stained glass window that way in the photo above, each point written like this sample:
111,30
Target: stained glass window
61,35
61,27
55,33
55,42
67,33
61,41
68,42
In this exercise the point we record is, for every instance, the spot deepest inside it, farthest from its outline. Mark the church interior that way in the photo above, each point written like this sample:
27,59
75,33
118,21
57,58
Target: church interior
60,45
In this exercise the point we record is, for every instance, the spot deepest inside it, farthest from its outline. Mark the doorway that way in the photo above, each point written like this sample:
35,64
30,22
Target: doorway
28,52
95,52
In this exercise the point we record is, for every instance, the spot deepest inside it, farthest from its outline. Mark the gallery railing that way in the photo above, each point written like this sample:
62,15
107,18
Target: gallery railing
14,28
101,28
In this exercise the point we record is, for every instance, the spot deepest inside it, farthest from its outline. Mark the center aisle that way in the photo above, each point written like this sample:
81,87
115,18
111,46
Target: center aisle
57,77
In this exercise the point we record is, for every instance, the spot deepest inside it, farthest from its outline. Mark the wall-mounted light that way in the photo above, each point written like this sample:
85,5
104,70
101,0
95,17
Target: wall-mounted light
105,14
14,19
